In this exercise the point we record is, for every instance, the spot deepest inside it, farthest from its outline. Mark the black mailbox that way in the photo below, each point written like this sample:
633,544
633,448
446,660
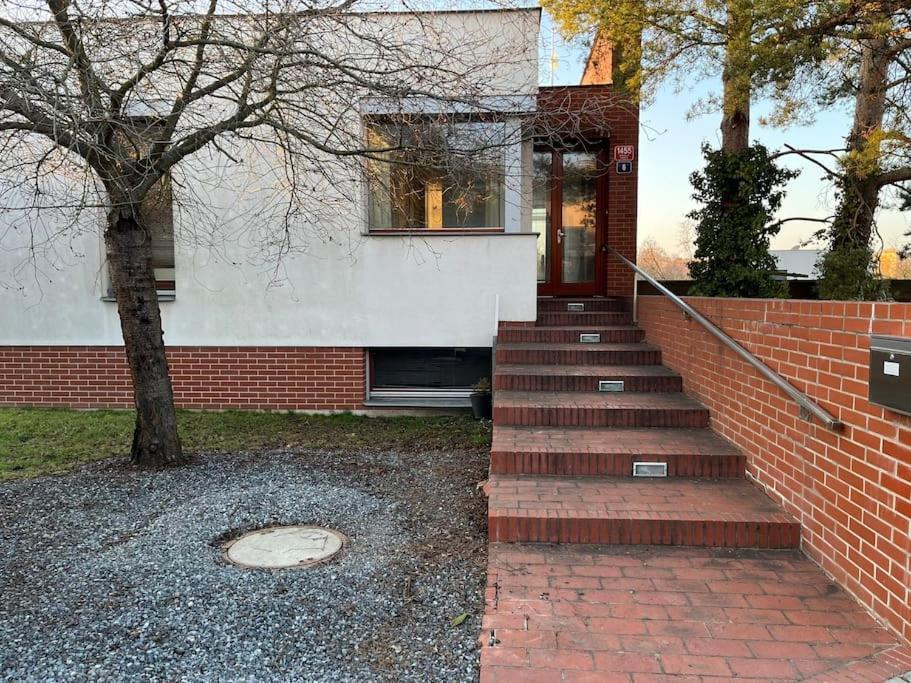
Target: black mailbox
890,373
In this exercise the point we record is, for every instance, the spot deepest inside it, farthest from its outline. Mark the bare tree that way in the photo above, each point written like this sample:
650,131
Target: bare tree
662,264
103,104
106,105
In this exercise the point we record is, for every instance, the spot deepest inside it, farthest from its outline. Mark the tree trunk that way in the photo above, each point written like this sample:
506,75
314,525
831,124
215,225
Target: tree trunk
853,224
737,78
848,269
129,252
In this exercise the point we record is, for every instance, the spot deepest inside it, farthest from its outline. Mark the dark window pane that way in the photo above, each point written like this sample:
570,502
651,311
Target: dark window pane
443,368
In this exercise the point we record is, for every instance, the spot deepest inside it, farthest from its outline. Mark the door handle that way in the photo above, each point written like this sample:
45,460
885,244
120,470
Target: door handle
560,234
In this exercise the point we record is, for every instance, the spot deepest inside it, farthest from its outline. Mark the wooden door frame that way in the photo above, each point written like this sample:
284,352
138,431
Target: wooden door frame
602,187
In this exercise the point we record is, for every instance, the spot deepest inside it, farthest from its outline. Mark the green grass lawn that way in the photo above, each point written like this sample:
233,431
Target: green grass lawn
37,441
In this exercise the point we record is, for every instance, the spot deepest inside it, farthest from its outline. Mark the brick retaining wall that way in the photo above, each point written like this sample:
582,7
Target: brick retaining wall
214,377
851,490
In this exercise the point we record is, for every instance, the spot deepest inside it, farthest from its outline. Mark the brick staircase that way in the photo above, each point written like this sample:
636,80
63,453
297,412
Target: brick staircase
563,451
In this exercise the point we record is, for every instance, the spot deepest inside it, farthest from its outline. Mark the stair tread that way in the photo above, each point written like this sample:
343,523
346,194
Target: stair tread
597,399
575,346
581,328
611,441
585,314
734,500
572,299
585,370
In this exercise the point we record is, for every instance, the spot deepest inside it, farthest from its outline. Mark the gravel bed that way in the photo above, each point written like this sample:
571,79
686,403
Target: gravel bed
110,574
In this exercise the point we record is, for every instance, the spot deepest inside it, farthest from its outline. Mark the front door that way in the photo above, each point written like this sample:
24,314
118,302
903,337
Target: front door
570,191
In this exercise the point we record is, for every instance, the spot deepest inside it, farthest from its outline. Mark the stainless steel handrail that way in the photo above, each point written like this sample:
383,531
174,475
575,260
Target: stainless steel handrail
807,405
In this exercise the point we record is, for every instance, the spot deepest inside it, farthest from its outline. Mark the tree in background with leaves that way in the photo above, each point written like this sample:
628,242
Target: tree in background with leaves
740,42
748,44
740,195
777,47
877,152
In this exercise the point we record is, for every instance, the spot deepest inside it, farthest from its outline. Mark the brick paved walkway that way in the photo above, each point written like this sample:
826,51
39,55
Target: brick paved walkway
624,613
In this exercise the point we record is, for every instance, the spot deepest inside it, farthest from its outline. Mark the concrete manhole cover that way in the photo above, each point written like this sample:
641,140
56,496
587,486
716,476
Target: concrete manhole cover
281,547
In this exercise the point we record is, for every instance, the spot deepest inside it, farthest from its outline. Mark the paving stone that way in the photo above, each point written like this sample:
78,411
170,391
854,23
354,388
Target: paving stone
618,642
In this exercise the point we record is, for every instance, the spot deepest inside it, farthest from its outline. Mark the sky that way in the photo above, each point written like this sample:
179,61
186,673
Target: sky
669,151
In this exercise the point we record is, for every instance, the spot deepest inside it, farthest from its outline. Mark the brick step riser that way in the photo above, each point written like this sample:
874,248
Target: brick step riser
711,534
583,319
532,416
615,464
596,306
643,384
578,357
543,335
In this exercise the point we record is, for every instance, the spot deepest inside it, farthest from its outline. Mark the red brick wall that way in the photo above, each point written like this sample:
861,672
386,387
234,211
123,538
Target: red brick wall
268,378
603,112
850,490
622,208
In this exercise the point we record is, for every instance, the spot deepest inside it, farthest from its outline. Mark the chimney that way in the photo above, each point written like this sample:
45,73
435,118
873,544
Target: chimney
599,68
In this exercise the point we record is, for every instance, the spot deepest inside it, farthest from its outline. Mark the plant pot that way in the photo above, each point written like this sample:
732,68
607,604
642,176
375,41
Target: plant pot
482,406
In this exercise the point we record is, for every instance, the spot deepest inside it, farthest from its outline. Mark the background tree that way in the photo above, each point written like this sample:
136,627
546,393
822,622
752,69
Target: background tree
103,102
877,154
775,48
857,52
661,264
743,43
732,239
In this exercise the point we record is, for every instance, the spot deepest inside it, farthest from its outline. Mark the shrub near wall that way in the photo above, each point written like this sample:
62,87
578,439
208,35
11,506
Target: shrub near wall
851,490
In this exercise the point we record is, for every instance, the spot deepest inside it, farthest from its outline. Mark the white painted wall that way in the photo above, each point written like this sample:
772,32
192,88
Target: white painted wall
337,287
397,291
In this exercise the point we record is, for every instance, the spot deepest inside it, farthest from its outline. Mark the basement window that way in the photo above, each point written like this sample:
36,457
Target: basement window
438,377
435,176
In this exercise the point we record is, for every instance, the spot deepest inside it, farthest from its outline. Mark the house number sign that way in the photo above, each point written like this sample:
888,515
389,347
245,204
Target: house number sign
624,152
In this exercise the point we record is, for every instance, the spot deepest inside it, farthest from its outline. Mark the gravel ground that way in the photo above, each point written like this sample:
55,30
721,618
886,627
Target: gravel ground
109,574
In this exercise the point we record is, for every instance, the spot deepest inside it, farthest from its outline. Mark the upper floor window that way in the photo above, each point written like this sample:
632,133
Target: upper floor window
157,208
432,176
158,211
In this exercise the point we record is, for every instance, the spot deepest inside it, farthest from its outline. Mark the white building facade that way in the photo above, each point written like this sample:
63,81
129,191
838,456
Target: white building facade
382,301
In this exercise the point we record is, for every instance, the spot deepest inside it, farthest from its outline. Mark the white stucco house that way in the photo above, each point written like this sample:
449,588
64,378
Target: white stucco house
384,301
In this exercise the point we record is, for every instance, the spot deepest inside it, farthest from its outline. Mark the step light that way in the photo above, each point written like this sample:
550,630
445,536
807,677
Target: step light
610,385
649,469
575,307
590,338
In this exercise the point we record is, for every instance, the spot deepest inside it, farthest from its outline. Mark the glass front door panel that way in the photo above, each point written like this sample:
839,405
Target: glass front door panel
540,210
580,175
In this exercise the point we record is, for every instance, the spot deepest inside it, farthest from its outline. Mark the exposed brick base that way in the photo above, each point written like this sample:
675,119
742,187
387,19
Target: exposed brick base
214,377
